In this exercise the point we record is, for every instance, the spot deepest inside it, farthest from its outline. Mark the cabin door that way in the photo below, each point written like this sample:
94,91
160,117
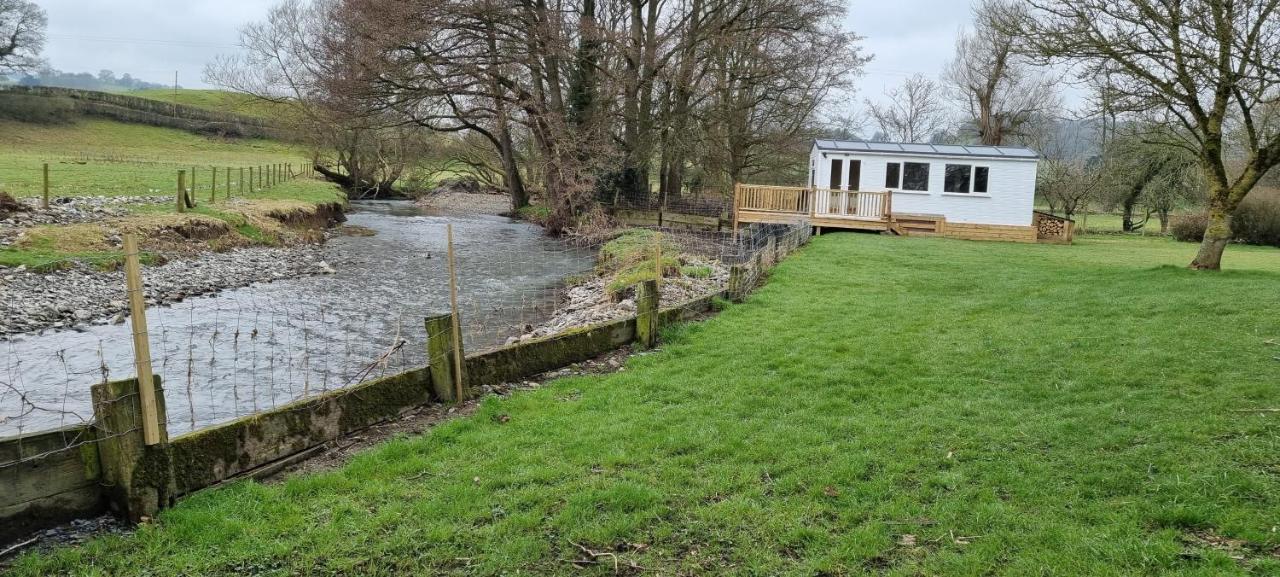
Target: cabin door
841,198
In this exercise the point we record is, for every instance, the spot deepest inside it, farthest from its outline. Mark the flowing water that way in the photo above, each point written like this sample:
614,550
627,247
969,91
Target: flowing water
253,348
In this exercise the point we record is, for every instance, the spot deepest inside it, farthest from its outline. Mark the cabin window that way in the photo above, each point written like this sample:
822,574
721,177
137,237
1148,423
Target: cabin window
915,176
855,175
981,174
837,173
893,175
958,176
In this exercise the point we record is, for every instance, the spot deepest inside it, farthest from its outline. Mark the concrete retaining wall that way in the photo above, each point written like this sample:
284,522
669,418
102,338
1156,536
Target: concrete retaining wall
63,479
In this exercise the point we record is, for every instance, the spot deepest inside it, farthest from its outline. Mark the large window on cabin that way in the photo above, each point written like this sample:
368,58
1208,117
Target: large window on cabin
957,180
855,175
981,176
915,176
837,174
893,175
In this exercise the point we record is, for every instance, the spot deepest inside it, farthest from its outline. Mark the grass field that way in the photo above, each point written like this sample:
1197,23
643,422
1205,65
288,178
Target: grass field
884,405
217,100
100,157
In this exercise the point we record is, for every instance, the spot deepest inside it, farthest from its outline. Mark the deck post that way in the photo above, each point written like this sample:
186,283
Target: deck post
737,188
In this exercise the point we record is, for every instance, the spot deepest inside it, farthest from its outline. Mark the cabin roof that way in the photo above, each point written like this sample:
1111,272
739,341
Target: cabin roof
911,149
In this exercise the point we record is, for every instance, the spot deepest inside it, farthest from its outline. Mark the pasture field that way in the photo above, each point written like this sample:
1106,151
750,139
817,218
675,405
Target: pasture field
104,158
897,406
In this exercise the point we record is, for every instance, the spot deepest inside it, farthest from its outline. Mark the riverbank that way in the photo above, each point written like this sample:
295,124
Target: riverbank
1067,413
85,295
60,267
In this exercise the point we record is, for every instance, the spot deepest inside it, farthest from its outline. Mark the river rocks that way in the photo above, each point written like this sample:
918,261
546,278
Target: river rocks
67,210
32,301
590,303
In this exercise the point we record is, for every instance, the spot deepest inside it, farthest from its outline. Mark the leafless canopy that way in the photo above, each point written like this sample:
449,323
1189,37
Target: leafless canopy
583,97
997,86
22,35
912,112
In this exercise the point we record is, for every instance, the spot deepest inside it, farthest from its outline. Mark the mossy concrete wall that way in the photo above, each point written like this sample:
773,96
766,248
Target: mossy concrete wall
203,458
64,480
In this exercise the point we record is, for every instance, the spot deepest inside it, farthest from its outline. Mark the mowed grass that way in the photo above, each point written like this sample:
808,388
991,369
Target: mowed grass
103,158
899,406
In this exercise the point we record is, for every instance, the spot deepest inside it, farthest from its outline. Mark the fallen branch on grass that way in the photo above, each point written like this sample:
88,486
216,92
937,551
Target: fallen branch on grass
15,548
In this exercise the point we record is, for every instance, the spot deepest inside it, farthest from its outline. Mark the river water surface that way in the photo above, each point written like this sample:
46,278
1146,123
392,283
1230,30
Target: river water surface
253,348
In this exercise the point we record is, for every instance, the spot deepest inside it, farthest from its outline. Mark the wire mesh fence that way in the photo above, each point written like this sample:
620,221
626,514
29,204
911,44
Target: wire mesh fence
258,348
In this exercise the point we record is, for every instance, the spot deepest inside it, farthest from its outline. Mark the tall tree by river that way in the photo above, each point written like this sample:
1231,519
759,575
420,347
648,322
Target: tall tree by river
588,98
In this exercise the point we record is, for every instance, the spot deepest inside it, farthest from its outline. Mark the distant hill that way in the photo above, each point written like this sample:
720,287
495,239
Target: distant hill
47,104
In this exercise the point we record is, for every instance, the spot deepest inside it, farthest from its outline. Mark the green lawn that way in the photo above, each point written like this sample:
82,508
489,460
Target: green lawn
900,406
100,157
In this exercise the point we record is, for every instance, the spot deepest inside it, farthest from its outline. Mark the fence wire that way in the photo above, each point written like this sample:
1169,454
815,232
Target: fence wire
258,348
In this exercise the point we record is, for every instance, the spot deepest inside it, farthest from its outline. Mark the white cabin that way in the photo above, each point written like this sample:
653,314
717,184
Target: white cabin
966,184
975,192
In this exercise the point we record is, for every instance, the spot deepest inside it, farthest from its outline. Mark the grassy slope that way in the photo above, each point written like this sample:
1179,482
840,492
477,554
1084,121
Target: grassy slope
101,157
1017,409
217,100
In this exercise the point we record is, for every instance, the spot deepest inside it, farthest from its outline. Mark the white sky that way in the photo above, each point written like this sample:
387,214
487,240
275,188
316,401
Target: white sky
151,39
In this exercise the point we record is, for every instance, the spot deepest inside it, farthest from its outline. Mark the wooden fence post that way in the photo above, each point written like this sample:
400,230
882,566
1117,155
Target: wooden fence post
141,344
44,203
440,357
194,188
738,283
241,180
228,183
213,187
182,191
657,250
647,299
458,376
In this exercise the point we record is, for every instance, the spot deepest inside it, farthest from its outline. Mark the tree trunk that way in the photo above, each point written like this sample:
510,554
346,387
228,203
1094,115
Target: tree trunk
1216,237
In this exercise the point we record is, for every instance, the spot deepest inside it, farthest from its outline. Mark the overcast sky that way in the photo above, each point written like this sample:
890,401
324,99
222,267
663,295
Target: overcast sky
151,39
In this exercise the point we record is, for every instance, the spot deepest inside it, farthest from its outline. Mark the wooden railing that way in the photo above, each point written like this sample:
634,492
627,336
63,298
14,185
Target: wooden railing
819,202
774,199
852,204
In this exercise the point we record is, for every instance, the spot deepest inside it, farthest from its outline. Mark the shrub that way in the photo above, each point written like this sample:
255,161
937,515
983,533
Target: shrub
1189,227
1257,221
37,109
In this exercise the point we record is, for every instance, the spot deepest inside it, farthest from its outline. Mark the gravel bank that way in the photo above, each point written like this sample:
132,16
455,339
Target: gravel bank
70,210
81,295
589,302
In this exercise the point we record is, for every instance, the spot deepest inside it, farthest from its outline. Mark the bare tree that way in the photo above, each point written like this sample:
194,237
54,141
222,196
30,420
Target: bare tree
912,112
294,60
996,85
1210,68
22,35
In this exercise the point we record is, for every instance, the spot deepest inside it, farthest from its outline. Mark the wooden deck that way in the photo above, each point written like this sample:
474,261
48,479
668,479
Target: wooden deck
873,211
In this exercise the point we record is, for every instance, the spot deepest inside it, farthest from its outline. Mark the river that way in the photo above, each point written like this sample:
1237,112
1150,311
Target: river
253,348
